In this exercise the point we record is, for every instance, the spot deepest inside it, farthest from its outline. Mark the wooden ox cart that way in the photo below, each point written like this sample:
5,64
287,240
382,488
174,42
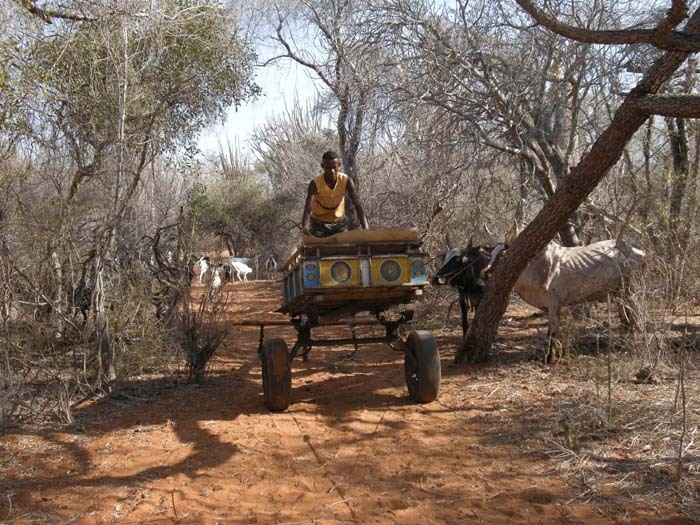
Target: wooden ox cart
329,282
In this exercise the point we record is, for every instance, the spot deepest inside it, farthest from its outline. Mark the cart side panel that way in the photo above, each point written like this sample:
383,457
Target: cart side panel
285,291
418,273
375,265
311,276
291,285
298,290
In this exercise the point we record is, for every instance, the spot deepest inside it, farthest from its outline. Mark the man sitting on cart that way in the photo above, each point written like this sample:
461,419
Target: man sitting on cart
324,211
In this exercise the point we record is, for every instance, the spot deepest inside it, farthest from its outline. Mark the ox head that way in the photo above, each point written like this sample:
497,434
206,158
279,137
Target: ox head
499,251
462,268
496,253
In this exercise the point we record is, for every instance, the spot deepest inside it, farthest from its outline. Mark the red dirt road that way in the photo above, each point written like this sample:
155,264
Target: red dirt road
352,448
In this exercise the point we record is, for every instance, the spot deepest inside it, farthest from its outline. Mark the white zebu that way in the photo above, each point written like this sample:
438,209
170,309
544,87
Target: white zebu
561,276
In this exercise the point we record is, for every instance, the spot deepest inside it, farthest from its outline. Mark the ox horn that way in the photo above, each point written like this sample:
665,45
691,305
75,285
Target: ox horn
513,233
450,242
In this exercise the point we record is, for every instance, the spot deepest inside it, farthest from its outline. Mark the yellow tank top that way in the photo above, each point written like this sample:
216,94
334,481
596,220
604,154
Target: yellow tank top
329,204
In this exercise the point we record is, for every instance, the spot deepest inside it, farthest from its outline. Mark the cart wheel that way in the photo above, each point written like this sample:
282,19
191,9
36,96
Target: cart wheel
422,366
276,374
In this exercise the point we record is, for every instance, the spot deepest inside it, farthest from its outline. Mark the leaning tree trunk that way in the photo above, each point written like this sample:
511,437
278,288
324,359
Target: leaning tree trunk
568,197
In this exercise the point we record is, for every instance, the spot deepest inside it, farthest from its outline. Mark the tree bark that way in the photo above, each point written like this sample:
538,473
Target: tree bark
105,351
679,150
583,179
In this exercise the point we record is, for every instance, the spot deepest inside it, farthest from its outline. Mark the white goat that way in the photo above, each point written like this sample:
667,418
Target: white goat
215,282
203,267
240,270
561,276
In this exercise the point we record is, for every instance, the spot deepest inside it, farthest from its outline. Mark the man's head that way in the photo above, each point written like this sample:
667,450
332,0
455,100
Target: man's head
330,163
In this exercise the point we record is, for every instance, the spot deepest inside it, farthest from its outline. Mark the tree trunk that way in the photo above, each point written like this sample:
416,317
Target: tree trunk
649,205
679,150
349,126
583,179
6,303
105,352
58,297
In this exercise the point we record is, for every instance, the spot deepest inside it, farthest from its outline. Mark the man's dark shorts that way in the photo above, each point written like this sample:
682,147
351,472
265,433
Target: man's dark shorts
326,229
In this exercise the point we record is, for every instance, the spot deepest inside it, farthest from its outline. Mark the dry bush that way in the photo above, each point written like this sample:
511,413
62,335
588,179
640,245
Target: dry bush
141,341
50,355
44,371
630,411
38,376
639,433
201,329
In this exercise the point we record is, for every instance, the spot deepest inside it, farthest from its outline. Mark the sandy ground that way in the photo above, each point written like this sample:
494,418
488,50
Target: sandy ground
352,447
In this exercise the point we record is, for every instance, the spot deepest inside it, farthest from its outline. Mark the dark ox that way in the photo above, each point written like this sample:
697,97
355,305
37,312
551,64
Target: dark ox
271,266
463,269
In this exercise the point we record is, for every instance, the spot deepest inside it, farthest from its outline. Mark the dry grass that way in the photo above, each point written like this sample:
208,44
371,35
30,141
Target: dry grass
613,432
624,419
620,416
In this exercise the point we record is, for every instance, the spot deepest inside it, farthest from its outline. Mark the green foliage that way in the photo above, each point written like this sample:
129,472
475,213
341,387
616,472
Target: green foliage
172,69
240,212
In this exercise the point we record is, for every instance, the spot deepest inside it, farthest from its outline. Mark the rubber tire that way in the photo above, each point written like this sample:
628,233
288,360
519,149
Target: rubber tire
276,374
422,366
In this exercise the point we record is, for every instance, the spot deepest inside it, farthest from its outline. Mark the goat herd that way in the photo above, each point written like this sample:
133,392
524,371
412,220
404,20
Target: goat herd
216,273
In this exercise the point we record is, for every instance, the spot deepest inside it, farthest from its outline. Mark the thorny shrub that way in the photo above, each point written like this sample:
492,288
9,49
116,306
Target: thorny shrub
201,329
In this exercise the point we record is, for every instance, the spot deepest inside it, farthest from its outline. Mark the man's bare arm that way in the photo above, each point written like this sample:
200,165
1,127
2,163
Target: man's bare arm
358,207
310,192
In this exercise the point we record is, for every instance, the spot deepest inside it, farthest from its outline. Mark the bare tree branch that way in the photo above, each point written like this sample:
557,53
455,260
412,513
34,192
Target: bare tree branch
662,36
679,106
48,14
